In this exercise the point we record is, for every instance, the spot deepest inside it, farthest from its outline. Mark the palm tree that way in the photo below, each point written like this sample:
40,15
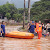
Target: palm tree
28,10
24,16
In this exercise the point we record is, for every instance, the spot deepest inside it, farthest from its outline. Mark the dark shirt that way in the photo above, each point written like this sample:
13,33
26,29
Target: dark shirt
35,26
32,28
3,28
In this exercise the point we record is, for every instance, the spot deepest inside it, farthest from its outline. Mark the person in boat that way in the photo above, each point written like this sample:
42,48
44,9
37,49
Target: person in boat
32,27
3,28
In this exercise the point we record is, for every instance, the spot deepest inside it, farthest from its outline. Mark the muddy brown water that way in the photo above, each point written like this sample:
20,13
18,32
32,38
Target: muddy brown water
7,43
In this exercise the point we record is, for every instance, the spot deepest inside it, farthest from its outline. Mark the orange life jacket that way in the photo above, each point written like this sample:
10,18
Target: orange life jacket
38,27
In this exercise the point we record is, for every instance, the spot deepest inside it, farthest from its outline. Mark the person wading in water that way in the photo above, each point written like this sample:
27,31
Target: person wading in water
3,28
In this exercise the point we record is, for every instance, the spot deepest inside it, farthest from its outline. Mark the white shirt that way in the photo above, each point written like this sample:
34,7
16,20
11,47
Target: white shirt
48,25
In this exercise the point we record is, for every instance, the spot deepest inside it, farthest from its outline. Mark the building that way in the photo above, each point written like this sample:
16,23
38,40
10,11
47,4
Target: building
5,19
47,20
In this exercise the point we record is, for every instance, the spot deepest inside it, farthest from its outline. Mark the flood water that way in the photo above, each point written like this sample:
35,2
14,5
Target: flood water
25,44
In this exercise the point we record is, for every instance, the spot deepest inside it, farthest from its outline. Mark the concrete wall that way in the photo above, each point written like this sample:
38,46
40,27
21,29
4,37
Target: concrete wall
8,21
3,20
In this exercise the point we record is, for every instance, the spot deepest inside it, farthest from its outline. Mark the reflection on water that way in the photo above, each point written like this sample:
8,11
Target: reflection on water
24,44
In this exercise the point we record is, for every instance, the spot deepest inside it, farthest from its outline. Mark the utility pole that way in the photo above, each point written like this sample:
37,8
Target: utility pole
28,10
24,16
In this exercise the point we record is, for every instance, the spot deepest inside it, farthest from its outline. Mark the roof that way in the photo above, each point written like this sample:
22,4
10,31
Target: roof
46,19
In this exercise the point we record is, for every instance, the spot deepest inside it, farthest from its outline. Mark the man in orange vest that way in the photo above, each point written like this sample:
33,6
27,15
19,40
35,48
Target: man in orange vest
39,29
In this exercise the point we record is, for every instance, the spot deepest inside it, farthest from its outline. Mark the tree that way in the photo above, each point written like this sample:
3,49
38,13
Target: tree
24,16
19,17
15,17
40,10
20,10
8,15
8,8
28,10
45,15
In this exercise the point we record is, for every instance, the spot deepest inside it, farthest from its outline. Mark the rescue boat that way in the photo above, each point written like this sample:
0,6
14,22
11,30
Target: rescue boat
22,35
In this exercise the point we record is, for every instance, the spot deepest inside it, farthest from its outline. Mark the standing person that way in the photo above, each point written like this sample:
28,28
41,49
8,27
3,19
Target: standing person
48,28
3,28
35,23
39,29
43,28
44,32
35,28
32,27
0,29
28,27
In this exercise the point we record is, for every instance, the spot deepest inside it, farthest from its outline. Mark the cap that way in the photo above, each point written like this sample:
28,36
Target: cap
32,21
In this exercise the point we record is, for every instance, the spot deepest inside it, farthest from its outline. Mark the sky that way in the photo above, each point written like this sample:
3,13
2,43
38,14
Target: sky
17,3
33,0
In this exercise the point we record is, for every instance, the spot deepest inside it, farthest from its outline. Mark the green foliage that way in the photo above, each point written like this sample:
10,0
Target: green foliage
11,12
18,17
45,15
41,10
20,10
15,16
8,15
8,8
45,0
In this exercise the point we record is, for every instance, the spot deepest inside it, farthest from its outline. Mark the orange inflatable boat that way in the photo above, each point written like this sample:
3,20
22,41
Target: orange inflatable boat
23,35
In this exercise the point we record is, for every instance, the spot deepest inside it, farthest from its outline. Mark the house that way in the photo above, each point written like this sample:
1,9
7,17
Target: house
5,19
46,20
